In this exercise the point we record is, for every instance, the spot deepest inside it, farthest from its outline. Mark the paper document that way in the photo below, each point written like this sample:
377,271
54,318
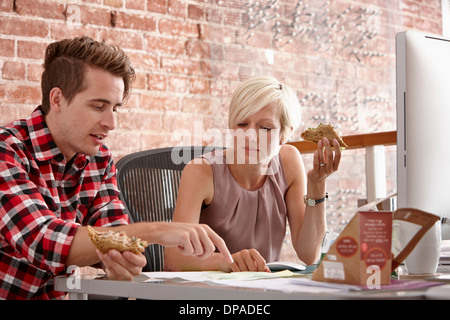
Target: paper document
280,281
216,275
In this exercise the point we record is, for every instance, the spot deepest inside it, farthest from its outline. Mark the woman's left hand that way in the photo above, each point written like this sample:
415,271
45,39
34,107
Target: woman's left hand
325,160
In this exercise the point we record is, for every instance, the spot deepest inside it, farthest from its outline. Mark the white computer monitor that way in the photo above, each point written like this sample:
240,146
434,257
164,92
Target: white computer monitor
423,123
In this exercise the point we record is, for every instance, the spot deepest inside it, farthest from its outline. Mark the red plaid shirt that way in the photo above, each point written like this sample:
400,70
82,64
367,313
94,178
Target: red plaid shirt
43,201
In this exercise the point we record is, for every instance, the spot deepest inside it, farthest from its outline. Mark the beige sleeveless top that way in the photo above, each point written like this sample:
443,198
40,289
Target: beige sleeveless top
247,219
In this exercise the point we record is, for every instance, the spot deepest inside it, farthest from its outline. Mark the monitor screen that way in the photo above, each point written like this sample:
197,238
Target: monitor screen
423,123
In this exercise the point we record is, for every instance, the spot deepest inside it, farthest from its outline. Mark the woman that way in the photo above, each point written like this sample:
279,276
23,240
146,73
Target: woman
247,192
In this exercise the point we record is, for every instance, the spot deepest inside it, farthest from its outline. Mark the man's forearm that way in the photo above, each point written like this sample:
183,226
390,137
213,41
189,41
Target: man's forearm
82,250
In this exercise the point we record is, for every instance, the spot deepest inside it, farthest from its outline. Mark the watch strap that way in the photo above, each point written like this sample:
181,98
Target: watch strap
312,202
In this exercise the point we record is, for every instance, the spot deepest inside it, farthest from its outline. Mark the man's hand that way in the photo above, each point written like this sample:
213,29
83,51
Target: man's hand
192,239
122,266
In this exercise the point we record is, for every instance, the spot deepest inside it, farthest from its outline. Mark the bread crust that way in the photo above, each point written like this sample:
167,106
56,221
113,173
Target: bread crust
104,241
323,131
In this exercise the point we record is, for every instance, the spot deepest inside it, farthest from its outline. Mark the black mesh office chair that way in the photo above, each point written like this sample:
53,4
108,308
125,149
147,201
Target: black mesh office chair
148,182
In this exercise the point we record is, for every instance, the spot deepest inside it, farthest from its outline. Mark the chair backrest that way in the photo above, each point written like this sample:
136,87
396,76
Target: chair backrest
148,182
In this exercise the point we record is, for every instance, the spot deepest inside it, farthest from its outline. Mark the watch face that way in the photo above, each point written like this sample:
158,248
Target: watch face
311,202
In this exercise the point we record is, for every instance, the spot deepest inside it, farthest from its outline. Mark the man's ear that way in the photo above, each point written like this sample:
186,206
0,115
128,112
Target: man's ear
56,99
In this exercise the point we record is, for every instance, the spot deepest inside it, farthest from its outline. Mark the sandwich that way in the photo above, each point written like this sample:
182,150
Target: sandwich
104,241
323,131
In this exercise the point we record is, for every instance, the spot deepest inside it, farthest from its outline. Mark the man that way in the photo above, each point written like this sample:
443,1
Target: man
57,177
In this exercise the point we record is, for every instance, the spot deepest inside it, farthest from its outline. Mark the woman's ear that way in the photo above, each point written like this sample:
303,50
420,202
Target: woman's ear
284,135
56,98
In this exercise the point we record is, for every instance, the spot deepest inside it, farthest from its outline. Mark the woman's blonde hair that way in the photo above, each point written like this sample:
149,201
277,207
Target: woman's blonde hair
256,93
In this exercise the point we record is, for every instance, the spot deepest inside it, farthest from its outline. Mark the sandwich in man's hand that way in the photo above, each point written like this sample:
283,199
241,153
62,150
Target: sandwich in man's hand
104,241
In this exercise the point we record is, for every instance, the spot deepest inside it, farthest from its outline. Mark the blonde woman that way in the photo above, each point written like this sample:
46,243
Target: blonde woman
248,192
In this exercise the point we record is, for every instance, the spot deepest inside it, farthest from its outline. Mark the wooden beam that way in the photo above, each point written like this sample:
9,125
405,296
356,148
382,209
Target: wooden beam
356,141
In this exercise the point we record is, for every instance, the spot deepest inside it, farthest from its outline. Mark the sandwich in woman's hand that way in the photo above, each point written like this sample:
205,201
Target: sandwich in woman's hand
104,241
323,131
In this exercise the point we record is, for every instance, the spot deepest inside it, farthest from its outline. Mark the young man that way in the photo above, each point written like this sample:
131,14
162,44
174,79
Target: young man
57,177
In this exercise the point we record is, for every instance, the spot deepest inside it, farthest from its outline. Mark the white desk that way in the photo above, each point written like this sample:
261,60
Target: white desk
80,286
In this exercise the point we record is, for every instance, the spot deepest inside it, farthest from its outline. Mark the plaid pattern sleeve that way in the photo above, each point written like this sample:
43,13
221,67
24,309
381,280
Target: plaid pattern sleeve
43,201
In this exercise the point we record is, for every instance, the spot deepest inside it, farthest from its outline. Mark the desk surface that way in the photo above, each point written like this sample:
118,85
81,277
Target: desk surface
170,289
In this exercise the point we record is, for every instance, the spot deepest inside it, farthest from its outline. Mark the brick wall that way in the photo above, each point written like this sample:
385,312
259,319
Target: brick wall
189,55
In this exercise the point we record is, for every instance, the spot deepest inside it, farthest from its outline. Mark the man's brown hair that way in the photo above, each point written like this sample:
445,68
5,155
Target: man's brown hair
66,61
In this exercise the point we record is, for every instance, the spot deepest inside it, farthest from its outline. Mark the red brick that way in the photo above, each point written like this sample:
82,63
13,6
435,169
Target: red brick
410,7
124,39
197,49
153,140
135,4
178,28
196,12
160,102
31,49
13,70
20,93
7,6
183,66
136,21
63,30
196,105
217,34
157,82
158,6
177,8
220,88
34,72
216,51
95,16
7,48
225,71
113,3
232,18
238,54
178,84
199,86
9,113
214,15
141,81
145,61
180,122
39,8
165,45
16,26
138,120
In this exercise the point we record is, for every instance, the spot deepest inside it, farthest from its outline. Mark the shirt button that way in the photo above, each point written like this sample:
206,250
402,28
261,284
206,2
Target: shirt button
81,164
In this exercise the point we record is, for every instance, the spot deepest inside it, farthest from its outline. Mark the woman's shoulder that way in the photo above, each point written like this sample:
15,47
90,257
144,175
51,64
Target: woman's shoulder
198,165
292,162
289,154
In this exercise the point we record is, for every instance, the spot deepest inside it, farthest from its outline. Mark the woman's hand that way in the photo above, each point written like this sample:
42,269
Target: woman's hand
325,161
247,260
